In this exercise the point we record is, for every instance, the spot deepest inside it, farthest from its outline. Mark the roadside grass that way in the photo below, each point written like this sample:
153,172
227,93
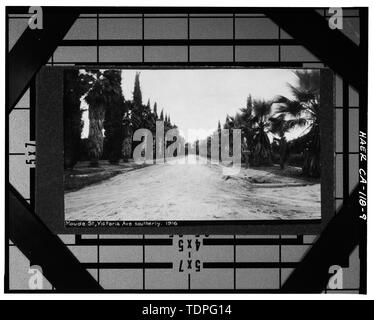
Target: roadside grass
273,176
83,175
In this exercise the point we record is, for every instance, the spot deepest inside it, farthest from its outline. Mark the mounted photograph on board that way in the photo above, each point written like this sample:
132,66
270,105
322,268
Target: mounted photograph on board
169,147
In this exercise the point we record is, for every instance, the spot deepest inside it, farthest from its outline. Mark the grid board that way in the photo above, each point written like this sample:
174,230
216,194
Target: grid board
185,263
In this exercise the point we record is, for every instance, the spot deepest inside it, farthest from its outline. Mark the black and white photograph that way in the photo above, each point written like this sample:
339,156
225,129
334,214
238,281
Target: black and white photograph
191,144
217,149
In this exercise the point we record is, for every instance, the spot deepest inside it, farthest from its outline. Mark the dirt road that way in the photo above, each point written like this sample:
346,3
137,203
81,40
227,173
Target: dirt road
190,191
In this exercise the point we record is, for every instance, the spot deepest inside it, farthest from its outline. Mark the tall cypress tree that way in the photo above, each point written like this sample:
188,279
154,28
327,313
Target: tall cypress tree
127,131
137,93
137,117
113,115
147,116
155,110
219,129
137,109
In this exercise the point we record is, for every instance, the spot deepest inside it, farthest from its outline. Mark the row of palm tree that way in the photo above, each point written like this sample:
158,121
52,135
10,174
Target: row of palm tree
299,118
112,119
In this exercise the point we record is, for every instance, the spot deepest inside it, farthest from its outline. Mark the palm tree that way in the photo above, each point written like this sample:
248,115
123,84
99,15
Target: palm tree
102,94
260,123
246,122
303,112
277,128
137,107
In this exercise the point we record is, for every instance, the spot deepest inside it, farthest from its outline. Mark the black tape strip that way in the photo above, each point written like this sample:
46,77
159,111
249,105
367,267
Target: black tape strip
26,230
345,231
39,245
332,47
334,245
33,50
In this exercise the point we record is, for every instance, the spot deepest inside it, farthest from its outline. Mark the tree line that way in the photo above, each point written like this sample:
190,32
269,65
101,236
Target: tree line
112,118
299,116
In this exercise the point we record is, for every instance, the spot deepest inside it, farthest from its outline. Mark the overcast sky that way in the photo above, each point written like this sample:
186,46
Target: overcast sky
197,99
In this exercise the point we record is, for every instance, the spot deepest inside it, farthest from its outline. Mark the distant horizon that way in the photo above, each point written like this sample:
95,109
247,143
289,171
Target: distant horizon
196,99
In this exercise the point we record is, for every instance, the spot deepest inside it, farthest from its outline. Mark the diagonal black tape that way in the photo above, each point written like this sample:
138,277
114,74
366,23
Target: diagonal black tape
312,31
27,232
39,245
334,245
345,231
33,49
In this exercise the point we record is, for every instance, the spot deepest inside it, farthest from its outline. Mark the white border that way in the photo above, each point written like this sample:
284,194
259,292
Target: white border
192,297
